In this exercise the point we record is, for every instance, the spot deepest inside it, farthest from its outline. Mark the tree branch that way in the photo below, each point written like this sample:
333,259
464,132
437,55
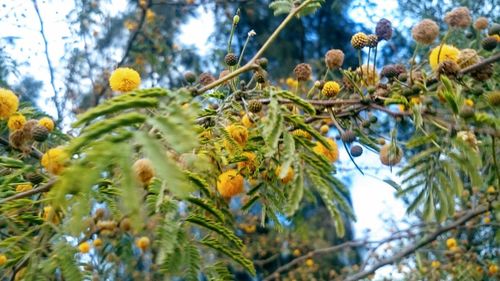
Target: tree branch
35,153
55,98
415,246
43,188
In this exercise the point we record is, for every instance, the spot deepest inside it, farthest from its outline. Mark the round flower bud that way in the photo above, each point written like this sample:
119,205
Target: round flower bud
230,183
263,62
356,151
254,106
458,17
332,153
303,72
189,76
124,79
260,76
144,170
47,123
324,129
372,41
143,243
483,73
451,243
445,52
16,122
467,57
330,89
8,103
54,160
493,98
236,19
206,78
425,32
33,177
383,30
39,133
390,155
348,136
97,243
448,68
389,71
290,174
494,29
359,40
84,247
3,259
231,59
334,58
481,23
489,43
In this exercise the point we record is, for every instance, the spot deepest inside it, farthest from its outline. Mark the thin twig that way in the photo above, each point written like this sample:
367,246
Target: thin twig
35,153
43,188
55,98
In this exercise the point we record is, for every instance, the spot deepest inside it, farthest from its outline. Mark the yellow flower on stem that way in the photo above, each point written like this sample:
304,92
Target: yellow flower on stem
124,79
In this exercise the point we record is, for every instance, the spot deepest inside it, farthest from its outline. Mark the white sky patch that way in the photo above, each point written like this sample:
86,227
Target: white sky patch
198,29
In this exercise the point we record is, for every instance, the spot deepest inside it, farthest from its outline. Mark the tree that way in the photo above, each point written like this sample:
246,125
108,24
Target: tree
147,186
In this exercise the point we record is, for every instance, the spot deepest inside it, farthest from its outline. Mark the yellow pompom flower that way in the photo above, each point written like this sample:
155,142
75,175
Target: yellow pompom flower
492,269
435,264
249,165
124,79
84,247
447,52
47,123
246,121
150,16
143,243
331,154
3,259
230,183
238,133
9,103
24,187
97,242
290,174
469,102
16,122
310,262
54,160
49,214
301,133
330,89
292,83
144,170
451,243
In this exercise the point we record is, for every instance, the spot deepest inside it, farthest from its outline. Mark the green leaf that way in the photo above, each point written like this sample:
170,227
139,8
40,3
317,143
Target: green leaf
287,155
295,194
178,130
309,108
165,168
216,227
273,127
237,256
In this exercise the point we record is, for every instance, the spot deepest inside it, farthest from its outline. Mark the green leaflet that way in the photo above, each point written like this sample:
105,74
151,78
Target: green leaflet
207,206
449,94
165,168
273,127
287,155
281,6
237,256
98,129
295,195
193,259
216,227
309,108
12,163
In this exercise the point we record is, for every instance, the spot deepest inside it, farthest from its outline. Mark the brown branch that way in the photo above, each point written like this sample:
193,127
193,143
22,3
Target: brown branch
55,98
35,153
415,246
390,112
315,102
43,188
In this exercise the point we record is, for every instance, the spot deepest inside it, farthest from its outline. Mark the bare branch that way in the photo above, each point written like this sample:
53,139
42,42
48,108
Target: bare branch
43,188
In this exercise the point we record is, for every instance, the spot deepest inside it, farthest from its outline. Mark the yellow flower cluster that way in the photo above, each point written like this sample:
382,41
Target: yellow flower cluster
331,154
143,243
124,79
301,133
54,160
16,122
24,187
230,183
47,123
238,133
290,174
144,170
249,165
330,89
84,247
8,103
446,52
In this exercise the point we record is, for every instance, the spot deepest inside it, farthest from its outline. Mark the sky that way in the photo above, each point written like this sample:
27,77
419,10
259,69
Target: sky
372,198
